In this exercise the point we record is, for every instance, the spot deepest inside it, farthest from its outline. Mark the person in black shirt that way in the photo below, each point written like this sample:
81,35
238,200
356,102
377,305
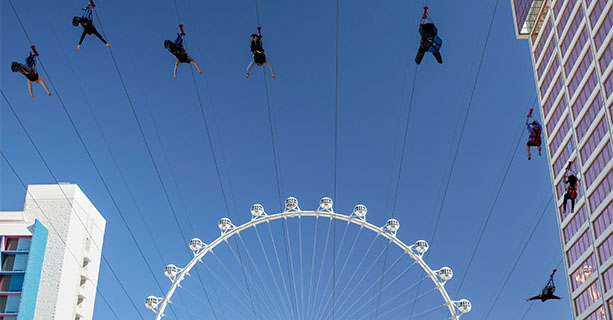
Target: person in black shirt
29,71
88,26
177,49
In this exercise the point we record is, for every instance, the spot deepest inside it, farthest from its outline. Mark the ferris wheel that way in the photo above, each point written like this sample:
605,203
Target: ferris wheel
305,282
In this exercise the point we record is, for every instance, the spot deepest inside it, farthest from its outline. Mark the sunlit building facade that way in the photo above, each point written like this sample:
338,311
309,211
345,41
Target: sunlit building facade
571,50
50,255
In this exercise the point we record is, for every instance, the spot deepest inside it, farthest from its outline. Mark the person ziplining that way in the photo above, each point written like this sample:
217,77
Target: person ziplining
548,292
88,25
534,128
571,189
29,71
259,57
177,49
430,41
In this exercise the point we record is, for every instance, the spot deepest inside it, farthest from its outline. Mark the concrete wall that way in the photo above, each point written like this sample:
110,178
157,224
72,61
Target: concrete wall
67,211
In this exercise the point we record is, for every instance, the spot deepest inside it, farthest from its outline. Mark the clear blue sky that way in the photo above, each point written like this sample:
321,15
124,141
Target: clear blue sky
376,40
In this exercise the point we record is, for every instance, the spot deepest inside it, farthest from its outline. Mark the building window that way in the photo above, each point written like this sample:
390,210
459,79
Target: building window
549,76
600,4
604,29
576,50
572,31
601,160
606,57
583,273
602,191
605,249
590,114
587,298
575,224
601,130
579,248
597,315
604,220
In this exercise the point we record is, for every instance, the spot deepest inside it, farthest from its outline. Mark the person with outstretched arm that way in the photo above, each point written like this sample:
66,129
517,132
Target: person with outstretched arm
259,57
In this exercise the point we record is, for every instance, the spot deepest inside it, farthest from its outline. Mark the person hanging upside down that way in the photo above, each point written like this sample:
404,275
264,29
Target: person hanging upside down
430,41
547,293
259,57
571,191
88,26
535,137
177,49
29,71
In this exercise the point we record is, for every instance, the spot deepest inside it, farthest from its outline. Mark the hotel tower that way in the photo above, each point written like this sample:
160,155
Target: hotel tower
571,50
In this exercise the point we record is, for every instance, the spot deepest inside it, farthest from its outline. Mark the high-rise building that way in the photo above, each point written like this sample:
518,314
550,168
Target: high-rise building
50,255
571,50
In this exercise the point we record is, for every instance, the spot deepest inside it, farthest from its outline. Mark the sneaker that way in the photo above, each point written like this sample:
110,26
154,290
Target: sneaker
529,156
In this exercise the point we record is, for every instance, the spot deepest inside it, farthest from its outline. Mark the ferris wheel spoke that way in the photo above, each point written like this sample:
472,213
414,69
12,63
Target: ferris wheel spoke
301,267
398,307
319,272
230,290
332,274
355,270
258,292
372,265
274,245
225,268
315,235
340,275
423,313
270,269
276,306
390,284
220,301
288,244
373,284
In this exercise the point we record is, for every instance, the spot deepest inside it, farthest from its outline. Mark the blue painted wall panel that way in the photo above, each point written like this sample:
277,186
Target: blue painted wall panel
12,304
16,282
33,272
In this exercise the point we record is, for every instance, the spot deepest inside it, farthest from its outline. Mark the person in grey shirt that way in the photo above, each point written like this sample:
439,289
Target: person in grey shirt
259,57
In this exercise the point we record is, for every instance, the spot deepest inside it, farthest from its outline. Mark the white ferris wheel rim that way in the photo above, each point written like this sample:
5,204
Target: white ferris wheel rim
162,303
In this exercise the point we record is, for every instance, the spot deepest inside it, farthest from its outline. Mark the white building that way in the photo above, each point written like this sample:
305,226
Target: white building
50,255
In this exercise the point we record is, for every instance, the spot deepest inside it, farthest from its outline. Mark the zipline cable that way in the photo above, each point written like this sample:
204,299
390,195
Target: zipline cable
148,148
486,221
457,149
104,139
335,160
523,249
404,145
67,198
277,174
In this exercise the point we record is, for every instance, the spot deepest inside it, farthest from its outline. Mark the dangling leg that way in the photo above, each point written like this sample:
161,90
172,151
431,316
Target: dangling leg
196,65
40,79
101,38
565,200
534,298
438,57
528,148
30,88
174,74
539,146
420,55
572,205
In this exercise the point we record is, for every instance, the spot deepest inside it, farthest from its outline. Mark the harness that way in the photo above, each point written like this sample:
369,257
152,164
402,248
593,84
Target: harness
571,190
535,136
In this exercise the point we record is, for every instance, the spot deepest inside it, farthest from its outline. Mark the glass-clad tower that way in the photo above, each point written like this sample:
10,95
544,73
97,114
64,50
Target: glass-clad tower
571,50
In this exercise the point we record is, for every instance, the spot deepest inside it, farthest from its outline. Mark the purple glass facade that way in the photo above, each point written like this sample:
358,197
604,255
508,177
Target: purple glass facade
571,43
